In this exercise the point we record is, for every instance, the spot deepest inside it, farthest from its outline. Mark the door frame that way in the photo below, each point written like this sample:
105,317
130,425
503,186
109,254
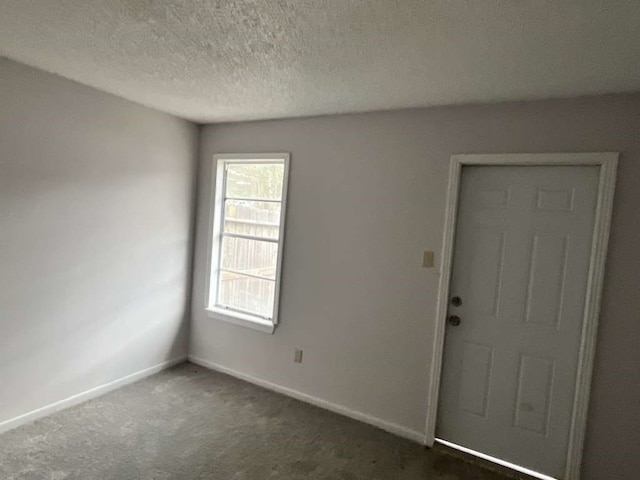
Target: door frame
608,163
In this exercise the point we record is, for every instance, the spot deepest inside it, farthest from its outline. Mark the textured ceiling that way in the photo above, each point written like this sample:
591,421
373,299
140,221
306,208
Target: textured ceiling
216,60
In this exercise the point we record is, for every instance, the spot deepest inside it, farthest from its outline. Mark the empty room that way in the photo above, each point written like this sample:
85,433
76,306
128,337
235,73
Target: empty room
319,239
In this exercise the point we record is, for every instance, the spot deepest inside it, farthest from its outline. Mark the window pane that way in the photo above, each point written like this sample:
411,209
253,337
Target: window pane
258,219
255,180
249,256
247,294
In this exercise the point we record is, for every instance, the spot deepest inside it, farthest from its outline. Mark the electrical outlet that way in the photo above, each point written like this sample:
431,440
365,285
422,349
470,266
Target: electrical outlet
298,356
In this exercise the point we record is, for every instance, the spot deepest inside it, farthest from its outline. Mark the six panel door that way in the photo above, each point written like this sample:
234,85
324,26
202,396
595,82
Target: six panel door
521,259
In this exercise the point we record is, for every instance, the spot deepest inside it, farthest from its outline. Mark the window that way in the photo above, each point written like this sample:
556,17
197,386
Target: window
249,205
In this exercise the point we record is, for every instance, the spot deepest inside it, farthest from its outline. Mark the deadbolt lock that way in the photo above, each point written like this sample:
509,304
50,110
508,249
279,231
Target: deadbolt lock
456,301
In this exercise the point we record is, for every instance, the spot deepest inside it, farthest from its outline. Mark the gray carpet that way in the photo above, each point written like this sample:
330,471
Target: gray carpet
190,423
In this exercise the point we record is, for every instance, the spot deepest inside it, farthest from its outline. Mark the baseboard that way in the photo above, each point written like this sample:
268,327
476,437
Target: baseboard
87,395
318,402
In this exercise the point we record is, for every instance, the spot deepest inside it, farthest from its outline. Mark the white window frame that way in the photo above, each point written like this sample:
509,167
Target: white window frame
216,217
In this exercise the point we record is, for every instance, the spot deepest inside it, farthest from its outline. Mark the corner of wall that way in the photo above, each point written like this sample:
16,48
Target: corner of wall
197,151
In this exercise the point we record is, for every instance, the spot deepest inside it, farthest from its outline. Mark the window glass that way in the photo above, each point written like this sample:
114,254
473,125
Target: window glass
255,180
251,257
248,294
257,219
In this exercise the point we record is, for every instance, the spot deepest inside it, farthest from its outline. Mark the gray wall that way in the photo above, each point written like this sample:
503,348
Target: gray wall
95,216
367,195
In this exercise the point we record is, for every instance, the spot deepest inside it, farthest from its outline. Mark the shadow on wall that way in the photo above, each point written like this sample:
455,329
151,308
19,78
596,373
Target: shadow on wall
95,277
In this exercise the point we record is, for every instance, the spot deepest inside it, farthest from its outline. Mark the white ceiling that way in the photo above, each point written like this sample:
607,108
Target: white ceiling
217,60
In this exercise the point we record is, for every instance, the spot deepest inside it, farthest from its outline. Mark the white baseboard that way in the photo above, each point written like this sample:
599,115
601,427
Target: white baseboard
84,396
390,427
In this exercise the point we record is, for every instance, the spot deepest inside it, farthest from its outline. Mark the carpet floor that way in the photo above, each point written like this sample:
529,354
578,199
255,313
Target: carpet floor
190,423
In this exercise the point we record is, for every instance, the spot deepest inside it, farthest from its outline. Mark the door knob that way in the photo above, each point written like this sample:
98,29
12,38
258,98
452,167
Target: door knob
454,320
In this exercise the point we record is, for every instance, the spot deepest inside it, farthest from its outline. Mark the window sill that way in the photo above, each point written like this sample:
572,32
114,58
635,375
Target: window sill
241,319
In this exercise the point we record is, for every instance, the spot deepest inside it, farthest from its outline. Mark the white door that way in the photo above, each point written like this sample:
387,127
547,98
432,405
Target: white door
521,259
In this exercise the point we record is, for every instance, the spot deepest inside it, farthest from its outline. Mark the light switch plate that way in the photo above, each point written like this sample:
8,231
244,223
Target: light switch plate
427,259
